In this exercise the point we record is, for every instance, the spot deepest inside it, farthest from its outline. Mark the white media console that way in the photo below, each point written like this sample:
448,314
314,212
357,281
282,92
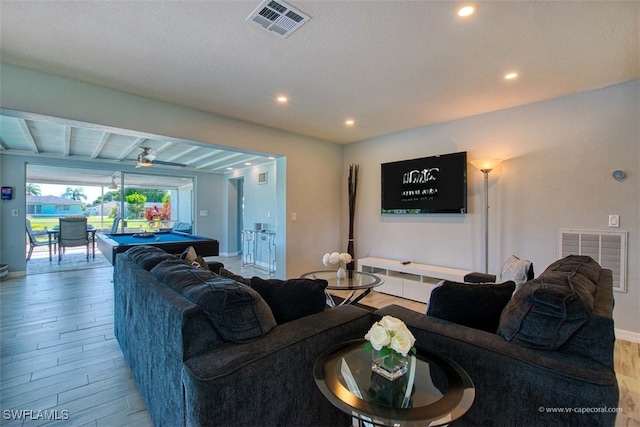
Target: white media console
412,281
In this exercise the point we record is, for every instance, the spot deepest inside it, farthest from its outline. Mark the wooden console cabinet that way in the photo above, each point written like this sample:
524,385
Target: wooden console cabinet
412,281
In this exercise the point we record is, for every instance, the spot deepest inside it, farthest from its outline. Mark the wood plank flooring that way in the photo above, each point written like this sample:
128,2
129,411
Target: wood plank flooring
61,364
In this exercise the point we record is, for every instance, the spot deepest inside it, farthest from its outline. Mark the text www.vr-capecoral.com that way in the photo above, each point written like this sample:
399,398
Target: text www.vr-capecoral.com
33,415
563,410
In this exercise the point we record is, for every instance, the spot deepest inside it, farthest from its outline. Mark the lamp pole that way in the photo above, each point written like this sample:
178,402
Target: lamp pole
486,219
486,166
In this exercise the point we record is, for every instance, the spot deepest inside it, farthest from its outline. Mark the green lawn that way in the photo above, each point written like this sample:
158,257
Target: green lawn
95,220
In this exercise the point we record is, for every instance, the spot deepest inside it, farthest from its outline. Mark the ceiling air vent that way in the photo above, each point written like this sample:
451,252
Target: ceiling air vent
278,17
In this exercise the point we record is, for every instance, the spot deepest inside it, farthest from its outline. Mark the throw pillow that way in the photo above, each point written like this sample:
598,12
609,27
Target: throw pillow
475,305
148,257
189,254
547,311
293,298
226,273
236,311
514,269
179,275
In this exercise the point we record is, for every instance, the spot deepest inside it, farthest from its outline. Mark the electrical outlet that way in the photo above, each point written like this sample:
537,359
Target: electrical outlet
294,216
14,212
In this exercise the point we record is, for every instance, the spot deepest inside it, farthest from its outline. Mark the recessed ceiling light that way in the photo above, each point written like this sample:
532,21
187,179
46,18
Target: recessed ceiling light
271,158
247,164
282,99
466,11
349,122
229,168
511,76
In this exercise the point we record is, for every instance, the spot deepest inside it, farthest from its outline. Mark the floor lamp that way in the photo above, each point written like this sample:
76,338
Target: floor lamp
486,166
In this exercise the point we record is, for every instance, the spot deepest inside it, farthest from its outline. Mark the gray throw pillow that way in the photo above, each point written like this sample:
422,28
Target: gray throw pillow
236,311
477,306
180,275
147,256
229,275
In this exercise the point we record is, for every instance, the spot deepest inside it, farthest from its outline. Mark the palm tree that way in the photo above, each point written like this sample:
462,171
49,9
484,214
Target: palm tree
74,194
33,190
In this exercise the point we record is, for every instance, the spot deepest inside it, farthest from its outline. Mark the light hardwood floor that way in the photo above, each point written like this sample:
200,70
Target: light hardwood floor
59,354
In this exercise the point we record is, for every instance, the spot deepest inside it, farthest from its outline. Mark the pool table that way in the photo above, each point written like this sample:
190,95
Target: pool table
173,242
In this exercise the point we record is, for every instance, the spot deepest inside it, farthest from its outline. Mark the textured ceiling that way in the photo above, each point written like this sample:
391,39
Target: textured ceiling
390,65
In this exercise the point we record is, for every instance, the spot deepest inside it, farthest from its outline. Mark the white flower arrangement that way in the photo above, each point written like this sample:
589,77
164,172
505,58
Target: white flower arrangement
336,258
390,336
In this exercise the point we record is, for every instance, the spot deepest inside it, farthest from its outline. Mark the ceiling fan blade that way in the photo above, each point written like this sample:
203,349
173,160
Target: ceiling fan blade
160,162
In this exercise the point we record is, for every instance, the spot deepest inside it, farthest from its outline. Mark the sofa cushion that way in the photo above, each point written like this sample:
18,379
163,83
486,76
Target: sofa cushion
475,305
293,298
236,311
545,312
516,270
147,256
179,275
229,275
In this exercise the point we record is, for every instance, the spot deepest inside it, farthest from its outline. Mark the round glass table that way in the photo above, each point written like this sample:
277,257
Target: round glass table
354,281
434,391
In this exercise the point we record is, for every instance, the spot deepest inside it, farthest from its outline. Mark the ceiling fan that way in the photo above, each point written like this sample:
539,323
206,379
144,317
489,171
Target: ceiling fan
146,159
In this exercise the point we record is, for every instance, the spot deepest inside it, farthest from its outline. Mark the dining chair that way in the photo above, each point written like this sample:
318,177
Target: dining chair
72,233
33,239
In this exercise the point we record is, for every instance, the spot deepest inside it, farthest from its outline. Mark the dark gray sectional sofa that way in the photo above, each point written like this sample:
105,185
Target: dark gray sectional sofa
550,362
189,375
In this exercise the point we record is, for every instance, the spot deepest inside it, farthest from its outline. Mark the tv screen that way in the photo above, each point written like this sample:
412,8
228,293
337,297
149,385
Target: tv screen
436,184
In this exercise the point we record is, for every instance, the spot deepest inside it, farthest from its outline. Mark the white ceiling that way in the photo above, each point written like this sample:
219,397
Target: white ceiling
389,65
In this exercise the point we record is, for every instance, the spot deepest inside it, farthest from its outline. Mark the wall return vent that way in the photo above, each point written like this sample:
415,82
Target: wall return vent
278,17
608,248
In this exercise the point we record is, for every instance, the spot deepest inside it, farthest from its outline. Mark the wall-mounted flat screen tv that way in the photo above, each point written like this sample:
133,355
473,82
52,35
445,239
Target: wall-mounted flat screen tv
436,184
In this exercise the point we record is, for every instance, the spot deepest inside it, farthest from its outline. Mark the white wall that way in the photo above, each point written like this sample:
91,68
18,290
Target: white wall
559,156
303,159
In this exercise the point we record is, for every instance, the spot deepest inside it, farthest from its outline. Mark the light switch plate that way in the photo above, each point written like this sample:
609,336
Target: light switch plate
614,221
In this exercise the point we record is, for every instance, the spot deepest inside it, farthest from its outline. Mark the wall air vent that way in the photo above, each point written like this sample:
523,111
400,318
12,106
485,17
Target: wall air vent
608,248
278,17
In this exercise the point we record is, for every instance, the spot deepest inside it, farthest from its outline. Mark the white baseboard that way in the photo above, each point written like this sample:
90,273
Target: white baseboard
229,254
625,335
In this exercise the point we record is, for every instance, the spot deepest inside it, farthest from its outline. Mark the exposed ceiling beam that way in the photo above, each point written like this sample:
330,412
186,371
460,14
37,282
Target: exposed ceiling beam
220,160
183,153
135,145
103,140
28,135
67,140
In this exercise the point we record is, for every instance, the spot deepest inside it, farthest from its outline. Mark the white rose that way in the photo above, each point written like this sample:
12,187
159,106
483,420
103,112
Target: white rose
378,336
393,324
334,258
345,257
325,259
402,341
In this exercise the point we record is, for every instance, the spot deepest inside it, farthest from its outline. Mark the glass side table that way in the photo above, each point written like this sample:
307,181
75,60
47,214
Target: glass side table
437,392
354,281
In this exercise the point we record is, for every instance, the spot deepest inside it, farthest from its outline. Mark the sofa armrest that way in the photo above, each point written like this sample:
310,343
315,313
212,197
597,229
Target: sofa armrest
513,383
275,372
476,277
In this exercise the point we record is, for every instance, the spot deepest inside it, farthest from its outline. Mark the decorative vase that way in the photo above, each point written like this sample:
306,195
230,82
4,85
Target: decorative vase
341,273
391,366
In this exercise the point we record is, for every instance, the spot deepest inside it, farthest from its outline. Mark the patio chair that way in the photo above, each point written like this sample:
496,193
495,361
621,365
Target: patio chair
33,239
72,233
114,225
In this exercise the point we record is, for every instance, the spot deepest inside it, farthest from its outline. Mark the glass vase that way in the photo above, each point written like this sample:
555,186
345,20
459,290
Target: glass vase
391,366
341,273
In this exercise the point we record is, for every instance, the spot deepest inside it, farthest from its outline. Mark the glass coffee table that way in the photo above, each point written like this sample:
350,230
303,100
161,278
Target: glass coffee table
435,390
354,281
